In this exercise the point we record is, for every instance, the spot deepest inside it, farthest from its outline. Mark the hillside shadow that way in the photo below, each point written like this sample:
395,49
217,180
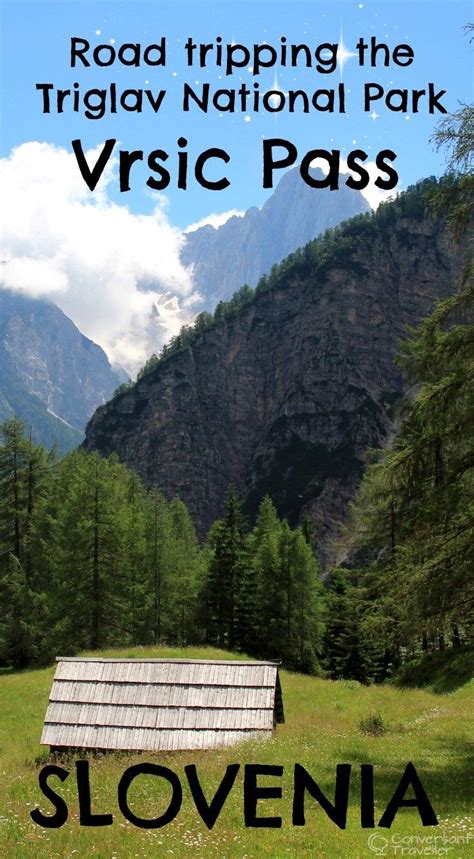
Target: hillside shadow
442,672
446,775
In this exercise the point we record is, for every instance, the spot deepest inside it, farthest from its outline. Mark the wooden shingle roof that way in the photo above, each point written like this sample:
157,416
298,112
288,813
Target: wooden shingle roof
160,704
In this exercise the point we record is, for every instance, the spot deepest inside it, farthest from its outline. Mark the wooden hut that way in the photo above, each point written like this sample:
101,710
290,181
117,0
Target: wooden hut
160,704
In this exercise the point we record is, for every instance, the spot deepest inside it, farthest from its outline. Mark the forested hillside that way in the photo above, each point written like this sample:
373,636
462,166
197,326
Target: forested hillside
284,389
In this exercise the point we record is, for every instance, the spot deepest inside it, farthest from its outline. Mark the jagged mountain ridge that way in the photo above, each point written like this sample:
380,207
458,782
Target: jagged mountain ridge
286,396
245,248
51,375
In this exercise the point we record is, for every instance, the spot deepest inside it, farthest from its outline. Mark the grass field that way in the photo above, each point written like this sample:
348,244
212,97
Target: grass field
322,729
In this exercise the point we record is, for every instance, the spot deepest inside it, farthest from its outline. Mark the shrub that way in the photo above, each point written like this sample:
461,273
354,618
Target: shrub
373,724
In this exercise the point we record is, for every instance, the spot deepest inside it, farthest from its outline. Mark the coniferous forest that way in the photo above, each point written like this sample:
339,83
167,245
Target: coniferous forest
90,559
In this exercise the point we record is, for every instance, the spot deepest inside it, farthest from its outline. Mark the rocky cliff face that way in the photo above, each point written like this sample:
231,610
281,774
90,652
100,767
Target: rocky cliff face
246,247
51,376
286,397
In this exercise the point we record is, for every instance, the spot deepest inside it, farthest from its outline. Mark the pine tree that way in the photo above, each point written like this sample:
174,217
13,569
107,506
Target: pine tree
226,585
307,606
24,482
13,486
415,509
270,582
133,562
351,653
158,541
87,552
290,600
185,577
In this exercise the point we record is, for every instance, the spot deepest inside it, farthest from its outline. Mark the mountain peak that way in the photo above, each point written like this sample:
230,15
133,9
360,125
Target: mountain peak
51,375
244,248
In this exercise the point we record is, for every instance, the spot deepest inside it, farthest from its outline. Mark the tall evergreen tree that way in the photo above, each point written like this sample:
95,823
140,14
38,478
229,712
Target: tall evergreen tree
270,581
290,601
226,588
132,526
158,537
88,550
307,606
24,482
349,651
185,577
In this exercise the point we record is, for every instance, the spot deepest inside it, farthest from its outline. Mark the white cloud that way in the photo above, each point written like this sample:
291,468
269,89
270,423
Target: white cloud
36,277
115,274
215,220
372,194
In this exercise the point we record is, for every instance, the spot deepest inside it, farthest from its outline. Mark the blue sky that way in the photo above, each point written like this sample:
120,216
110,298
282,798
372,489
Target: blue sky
112,261
36,49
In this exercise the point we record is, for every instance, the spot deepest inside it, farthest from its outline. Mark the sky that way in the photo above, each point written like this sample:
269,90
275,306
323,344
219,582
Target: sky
90,252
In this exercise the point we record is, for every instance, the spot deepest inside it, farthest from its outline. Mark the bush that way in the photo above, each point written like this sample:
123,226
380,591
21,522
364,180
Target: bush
373,725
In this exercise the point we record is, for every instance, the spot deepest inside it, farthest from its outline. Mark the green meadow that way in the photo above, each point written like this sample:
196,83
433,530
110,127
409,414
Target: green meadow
322,728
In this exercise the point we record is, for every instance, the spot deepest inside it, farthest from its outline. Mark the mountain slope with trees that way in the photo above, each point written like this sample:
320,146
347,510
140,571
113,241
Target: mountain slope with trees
284,389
